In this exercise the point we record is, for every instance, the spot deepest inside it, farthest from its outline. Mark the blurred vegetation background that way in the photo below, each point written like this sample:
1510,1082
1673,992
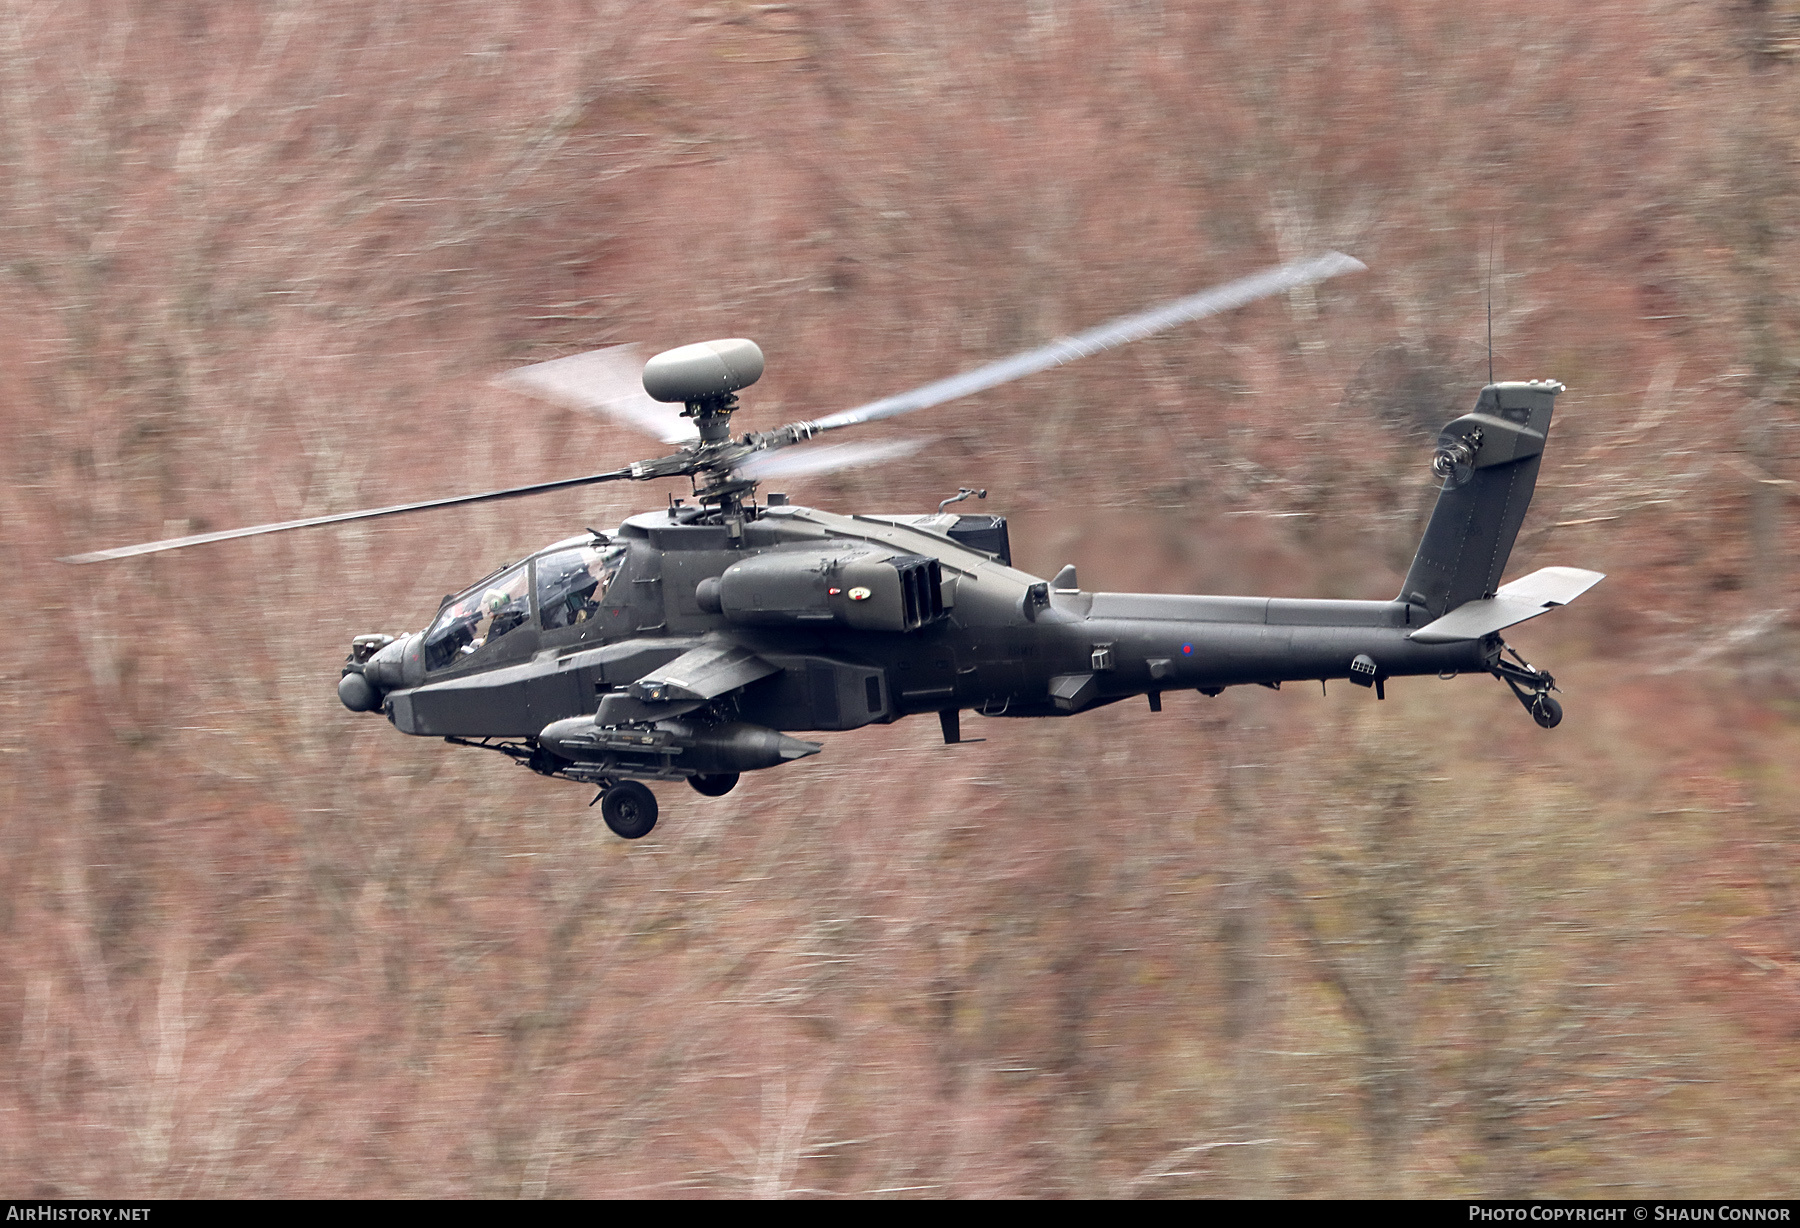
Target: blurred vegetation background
259,262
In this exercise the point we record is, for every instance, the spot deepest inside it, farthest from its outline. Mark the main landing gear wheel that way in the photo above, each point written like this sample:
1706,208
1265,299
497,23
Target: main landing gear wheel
1546,711
629,808
717,785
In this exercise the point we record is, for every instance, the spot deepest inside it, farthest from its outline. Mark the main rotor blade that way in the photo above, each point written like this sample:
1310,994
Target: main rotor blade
1105,337
608,381
200,539
824,459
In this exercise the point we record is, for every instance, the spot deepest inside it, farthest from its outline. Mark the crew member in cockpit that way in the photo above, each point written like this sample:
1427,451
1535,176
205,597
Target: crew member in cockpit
572,584
501,611
603,567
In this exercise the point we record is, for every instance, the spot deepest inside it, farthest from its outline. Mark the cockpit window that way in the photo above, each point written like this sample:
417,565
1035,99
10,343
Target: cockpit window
478,618
572,582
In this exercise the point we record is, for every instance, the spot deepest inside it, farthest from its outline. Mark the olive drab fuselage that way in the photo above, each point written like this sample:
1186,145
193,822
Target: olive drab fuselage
999,641
691,643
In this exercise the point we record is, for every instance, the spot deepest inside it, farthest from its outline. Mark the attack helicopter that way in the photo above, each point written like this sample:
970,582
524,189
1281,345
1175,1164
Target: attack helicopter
691,643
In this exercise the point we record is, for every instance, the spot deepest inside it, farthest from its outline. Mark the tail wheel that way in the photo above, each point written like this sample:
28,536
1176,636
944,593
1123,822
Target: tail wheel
629,809
717,785
1529,684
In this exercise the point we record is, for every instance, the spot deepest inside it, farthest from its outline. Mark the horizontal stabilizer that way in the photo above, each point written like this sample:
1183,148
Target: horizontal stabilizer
1524,598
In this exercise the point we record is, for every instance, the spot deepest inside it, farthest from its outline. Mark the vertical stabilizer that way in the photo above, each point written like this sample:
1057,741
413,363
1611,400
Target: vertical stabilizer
1489,462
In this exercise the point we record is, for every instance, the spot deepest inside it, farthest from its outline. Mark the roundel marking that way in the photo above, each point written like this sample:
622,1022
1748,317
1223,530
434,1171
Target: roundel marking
1187,650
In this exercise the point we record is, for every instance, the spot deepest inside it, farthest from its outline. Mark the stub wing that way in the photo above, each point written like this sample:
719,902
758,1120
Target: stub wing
1511,604
715,667
700,674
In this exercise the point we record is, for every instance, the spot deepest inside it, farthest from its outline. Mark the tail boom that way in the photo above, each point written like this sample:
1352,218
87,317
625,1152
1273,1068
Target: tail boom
1128,644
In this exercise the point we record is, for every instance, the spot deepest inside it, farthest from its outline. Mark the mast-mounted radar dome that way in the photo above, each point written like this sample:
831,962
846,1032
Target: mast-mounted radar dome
703,371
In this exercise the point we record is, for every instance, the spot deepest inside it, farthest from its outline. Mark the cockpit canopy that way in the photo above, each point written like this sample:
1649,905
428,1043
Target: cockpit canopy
570,584
478,617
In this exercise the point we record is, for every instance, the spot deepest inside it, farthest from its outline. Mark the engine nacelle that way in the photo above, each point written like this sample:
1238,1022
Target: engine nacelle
866,589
